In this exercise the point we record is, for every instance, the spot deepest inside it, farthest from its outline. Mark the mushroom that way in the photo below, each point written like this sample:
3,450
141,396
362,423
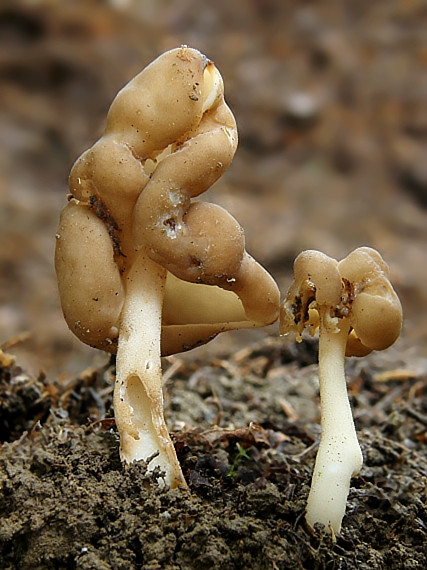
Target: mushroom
143,269
356,310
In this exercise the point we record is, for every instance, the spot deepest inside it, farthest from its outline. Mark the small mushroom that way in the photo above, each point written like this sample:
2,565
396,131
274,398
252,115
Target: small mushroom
143,269
356,310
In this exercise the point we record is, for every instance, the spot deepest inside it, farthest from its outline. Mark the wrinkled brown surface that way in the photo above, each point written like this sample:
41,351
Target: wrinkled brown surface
351,171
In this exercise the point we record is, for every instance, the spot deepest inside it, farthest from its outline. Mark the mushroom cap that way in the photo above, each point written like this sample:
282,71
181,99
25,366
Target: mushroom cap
169,137
357,289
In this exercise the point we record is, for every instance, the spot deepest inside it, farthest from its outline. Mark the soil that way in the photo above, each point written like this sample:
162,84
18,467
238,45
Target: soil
67,502
330,105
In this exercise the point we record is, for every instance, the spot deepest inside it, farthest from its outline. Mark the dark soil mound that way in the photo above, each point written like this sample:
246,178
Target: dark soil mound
66,501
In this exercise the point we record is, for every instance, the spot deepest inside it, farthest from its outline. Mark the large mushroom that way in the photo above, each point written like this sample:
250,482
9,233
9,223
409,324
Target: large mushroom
143,270
355,308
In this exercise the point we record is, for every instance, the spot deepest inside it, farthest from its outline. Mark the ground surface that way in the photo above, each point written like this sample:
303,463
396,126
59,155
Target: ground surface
67,502
332,116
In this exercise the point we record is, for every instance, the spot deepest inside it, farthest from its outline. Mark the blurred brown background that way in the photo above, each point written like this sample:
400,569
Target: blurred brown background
331,104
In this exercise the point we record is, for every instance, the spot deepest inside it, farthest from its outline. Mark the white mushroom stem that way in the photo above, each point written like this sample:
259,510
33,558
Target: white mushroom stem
138,397
339,456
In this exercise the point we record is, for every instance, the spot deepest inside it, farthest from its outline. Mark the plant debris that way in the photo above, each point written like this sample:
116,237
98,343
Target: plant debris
67,502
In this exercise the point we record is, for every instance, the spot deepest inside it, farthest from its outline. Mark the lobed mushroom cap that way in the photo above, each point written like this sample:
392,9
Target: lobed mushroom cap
357,289
169,137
